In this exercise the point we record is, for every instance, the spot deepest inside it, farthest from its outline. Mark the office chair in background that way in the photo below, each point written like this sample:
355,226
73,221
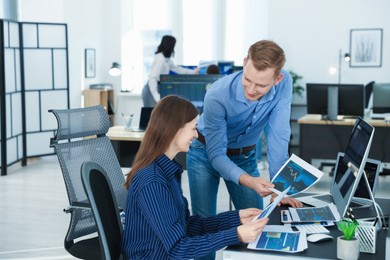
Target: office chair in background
104,208
80,137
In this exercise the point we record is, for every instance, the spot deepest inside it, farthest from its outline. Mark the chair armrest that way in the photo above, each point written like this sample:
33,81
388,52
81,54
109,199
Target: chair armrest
77,205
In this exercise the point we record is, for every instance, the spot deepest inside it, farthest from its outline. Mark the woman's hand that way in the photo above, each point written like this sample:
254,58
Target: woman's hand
249,231
248,214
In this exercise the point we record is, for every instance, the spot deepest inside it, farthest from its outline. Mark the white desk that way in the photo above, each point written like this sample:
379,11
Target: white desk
118,133
125,143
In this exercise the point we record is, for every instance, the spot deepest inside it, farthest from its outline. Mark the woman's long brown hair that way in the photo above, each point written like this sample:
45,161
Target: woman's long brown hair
170,114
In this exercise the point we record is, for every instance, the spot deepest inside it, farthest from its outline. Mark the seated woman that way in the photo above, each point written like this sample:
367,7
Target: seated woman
158,223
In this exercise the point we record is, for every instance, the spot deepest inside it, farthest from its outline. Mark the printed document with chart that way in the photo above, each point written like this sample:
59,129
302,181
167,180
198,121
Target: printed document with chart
296,173
280,238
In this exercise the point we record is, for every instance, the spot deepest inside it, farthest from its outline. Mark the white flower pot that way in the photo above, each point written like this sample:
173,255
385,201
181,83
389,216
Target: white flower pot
347,249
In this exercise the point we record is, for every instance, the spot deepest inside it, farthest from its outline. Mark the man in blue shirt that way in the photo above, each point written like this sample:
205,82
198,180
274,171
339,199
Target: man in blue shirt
236,109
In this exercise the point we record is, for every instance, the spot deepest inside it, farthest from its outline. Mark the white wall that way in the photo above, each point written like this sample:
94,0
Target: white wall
91,24
312,32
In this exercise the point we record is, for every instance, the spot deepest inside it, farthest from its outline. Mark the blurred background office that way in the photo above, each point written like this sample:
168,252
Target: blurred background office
311,33
314,35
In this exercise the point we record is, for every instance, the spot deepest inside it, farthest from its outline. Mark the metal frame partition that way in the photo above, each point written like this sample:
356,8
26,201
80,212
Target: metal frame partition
34,77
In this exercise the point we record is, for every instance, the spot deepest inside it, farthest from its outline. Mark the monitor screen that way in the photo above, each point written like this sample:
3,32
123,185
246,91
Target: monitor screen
351,99
346,180
189,86
381,98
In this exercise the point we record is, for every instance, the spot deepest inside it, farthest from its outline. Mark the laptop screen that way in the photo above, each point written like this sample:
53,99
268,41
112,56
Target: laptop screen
145,117
356,153
371,169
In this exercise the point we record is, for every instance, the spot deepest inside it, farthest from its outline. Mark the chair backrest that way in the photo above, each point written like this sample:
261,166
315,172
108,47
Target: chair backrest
80,137
104,208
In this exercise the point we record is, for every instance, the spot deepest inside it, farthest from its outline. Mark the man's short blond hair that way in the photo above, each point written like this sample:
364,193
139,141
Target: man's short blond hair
267,54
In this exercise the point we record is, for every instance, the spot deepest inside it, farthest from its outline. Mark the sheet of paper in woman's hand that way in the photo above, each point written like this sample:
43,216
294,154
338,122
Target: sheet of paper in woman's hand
267,211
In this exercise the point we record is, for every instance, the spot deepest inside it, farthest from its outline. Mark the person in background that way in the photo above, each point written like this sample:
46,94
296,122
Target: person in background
236,109
162,64
212,69
159,225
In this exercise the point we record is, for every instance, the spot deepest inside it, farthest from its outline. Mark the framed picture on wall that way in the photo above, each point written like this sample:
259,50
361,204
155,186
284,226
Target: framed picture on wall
90,63
366,47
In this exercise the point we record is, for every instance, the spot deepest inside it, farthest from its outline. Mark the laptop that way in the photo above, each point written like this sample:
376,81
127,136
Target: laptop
350,168
361,197
144,119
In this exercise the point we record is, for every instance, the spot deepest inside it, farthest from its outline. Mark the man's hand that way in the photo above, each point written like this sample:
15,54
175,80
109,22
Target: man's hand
258,184
288,201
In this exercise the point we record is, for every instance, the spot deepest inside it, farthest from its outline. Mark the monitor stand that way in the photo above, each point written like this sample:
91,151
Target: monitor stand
333,99
378,221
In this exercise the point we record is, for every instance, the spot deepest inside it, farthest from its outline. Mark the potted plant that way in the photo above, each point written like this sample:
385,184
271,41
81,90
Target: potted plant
297,88
348,244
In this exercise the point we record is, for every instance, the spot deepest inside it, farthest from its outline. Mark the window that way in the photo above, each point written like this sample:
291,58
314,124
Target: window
197,41
205,30
141,41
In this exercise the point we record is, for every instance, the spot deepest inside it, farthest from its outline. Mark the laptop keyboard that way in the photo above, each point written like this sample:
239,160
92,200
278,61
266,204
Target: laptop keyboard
313,229
328,198
357,205
324,197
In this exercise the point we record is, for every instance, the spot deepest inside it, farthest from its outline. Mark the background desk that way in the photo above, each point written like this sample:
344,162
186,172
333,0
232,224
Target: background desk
320,250
323,139
126,144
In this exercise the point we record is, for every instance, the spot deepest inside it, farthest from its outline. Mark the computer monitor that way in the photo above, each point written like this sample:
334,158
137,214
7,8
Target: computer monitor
368,91
381,98
189,86
351,99
354,161
226,67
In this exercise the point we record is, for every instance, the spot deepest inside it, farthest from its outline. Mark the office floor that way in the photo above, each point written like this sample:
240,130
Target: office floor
32,223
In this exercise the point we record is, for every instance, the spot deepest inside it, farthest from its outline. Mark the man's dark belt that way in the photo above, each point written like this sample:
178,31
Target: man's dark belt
229,152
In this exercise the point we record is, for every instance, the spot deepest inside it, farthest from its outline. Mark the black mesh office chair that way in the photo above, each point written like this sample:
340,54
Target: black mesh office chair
80,137
104,208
